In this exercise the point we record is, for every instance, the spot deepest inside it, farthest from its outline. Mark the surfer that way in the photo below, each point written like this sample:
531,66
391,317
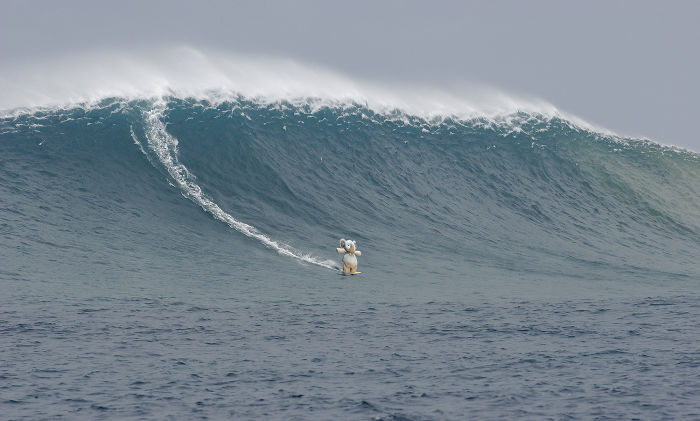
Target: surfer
348,248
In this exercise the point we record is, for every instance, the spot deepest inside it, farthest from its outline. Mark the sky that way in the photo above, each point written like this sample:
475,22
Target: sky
628,66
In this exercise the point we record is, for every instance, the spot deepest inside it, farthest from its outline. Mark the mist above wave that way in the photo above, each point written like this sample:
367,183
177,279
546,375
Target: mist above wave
215,76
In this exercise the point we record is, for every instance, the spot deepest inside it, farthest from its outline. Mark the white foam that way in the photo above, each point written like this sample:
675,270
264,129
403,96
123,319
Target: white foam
87,78
165,147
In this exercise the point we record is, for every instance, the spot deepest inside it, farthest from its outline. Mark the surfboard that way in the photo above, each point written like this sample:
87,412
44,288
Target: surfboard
351,273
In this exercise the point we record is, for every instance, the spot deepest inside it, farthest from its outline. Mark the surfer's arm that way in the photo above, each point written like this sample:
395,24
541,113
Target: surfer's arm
358,253
340,250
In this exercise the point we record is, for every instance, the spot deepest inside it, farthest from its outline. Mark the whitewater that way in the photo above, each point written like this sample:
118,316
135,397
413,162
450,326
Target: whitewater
165,148
168,224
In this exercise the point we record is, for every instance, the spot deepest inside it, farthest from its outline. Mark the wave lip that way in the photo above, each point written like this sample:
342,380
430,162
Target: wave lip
185,72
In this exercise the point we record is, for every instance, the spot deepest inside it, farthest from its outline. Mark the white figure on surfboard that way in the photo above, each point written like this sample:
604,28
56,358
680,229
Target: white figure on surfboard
349,249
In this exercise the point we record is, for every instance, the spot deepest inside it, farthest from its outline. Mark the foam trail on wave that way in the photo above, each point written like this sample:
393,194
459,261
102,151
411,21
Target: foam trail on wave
165,145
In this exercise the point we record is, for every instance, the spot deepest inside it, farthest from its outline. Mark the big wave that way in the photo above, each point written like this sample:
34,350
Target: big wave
433,183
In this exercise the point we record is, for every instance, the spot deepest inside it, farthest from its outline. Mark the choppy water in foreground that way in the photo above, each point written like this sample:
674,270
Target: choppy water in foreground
160,357
175,258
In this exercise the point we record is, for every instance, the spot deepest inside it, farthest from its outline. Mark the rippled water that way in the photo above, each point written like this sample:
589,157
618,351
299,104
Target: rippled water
102,358
172,258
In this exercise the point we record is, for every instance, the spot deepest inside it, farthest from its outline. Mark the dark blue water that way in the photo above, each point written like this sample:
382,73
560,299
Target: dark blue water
175,258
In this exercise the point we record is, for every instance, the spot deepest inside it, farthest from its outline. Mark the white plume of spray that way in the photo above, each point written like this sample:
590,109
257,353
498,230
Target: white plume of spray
216,76
165,147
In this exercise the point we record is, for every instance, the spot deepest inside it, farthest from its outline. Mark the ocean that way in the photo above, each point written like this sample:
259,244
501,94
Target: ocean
174,257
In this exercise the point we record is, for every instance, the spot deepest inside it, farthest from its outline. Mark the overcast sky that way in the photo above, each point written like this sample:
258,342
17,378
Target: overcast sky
629,66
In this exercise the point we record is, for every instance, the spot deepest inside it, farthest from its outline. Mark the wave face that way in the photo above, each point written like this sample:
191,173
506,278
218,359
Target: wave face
164,183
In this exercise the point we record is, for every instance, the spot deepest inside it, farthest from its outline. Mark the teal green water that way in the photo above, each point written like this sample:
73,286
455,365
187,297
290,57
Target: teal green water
173,257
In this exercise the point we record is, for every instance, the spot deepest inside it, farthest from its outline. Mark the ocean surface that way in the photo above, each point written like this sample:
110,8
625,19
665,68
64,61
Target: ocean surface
174,258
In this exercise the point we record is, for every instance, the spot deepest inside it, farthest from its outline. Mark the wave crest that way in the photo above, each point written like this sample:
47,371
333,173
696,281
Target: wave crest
216,77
